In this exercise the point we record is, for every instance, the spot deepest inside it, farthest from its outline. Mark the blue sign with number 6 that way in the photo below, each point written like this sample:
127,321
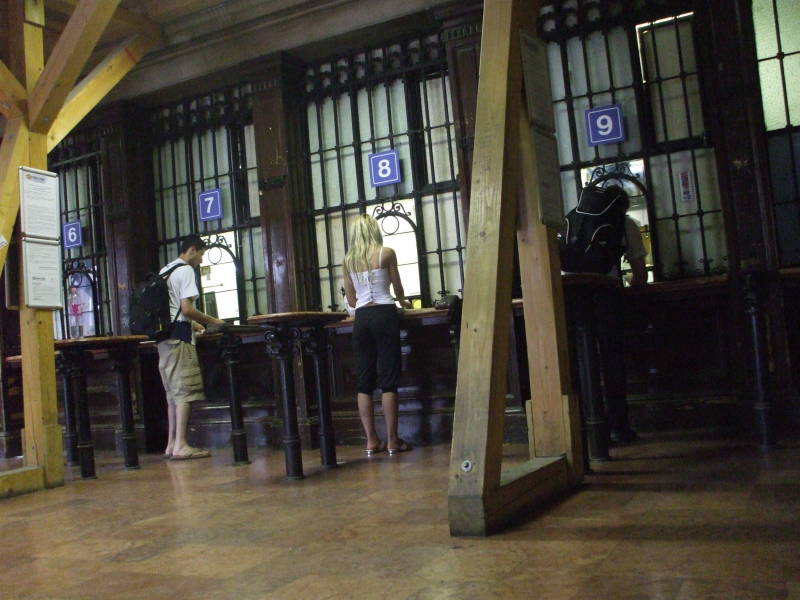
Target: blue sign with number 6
73,235
210,203
604,125
384,168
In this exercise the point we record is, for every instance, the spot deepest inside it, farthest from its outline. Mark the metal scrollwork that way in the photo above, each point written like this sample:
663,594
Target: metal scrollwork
280,341
313,340
395,211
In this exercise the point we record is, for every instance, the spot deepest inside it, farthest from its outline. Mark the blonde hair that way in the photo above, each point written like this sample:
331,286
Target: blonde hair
365,238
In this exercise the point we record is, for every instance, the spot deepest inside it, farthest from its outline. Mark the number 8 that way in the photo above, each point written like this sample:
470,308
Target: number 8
384,168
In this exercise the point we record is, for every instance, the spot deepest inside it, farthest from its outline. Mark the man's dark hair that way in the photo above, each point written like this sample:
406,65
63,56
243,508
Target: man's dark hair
192,241
615,191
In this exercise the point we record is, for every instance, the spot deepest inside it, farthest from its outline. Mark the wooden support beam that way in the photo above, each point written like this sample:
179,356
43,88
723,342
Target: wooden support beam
21,481
67,60
12,93
13,151
546,327
551,430
96,85
124,22
481,497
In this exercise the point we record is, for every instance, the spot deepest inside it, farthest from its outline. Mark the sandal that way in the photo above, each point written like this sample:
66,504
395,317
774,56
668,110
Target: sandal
195,453
402,447
381,447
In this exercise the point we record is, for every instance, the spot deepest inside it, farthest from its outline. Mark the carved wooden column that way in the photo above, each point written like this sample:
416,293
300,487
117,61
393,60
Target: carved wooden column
743,172
461,32
279,122
128,204
284,190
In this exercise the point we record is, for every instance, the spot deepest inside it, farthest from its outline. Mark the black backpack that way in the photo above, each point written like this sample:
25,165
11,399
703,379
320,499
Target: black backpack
591,240
150,313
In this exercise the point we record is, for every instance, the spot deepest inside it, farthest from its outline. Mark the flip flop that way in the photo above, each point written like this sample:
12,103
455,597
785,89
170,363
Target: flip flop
371,451
195,453
166,455
403,447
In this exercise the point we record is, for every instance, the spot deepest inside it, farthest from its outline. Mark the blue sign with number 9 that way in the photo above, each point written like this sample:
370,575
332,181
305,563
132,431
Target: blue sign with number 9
210,203
384,168
604,125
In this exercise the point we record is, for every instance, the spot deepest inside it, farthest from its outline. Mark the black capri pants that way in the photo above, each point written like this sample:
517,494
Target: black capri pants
376,345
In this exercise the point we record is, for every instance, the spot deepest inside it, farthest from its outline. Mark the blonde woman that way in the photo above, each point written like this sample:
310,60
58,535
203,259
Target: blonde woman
369,269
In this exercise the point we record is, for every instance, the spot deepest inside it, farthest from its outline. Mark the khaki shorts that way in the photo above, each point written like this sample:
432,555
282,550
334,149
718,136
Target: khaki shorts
180,372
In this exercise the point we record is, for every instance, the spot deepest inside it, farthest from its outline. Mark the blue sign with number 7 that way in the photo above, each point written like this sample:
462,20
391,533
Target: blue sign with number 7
210,205
604,125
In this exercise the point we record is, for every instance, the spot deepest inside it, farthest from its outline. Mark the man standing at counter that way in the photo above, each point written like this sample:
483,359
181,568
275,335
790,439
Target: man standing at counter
177,356
596,235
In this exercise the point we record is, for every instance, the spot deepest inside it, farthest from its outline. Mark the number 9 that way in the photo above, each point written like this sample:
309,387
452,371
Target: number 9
604,125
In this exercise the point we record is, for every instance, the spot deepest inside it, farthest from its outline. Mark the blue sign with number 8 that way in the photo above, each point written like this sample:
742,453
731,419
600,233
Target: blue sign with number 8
604,125
384,168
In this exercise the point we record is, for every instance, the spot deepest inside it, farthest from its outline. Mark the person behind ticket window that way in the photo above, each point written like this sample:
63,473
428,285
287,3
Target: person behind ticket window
369,269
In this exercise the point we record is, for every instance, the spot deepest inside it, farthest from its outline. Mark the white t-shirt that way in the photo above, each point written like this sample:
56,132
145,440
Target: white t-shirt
632,242
181,285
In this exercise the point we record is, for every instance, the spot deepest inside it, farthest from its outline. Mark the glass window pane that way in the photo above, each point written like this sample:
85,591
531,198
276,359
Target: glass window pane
772,96
788,20
791,65
577,69
764,22
597,62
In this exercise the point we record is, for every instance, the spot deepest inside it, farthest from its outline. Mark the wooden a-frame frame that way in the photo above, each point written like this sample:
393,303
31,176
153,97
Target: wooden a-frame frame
42,104
504,199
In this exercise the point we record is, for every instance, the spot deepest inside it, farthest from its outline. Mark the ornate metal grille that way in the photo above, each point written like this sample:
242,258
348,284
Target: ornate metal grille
203,143
640,55
393,97
77,160
778,51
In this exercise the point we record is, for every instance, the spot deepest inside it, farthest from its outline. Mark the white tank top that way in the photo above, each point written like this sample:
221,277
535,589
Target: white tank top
372,286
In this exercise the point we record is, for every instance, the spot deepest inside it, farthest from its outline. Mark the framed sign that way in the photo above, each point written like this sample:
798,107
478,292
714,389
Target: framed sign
384,168
39,207
73,235
42,266
604,125
210,205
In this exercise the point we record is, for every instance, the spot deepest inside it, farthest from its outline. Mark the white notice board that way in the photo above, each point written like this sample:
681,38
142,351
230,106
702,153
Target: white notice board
39,206
42,268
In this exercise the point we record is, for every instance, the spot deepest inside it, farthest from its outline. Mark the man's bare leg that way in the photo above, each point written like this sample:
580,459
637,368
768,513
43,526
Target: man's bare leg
171,431
182,447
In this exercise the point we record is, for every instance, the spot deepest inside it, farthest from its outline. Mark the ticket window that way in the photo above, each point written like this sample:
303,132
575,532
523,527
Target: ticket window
218,279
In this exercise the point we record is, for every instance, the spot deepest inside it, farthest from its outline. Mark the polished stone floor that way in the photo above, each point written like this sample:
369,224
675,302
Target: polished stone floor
677,517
